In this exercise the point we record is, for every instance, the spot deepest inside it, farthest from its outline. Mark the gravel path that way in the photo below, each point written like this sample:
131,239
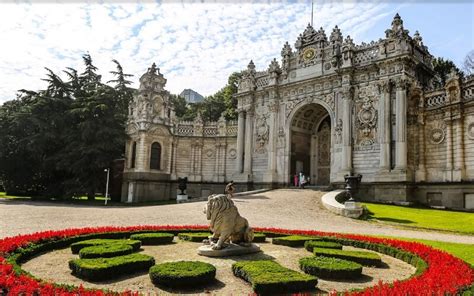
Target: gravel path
283,208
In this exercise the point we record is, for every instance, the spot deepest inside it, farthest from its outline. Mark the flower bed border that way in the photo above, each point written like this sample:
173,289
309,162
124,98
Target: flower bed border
446,274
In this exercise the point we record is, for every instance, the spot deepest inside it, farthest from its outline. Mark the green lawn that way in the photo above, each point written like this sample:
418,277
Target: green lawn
4,195
423,217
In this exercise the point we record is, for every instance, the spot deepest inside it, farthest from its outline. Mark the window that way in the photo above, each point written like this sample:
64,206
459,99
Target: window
155,157
134,154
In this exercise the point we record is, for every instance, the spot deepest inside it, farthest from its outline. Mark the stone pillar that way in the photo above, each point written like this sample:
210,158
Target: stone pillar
248,142
346,166
174,157
240,141
421,172
216,163
272,138
459,167
448,176
140,160
384,126
193,159
401,128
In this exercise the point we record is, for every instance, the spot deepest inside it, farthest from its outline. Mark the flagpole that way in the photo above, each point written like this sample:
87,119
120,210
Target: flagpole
311,13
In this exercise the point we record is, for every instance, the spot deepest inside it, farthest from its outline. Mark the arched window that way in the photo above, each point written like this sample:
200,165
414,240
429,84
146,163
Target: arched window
134,154
155,156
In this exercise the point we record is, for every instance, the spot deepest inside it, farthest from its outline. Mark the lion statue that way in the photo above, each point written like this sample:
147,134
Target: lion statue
226,222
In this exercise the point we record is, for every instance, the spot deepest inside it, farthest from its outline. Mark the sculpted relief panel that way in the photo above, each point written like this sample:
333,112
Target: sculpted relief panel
366,116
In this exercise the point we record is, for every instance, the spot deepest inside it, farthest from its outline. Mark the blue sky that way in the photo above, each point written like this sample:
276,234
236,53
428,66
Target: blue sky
197,45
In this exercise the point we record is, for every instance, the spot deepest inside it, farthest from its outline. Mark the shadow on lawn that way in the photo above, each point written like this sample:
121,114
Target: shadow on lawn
393,220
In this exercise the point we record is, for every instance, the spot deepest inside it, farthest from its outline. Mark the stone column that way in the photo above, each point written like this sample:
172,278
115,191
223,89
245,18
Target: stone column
193,159
384,126
401,128
449,150
140,160
216,163
459,166
272,136
174,157
248,142
346,166
240,141
421,172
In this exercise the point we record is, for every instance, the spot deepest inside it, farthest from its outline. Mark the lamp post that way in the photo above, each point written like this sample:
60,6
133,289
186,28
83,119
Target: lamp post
107,185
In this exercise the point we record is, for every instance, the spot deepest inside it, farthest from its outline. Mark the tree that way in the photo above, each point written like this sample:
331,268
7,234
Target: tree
58,141
468,65
180,105
443,67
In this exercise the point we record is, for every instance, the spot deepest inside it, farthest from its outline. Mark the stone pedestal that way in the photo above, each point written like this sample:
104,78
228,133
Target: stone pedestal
230,250
181,197
353,209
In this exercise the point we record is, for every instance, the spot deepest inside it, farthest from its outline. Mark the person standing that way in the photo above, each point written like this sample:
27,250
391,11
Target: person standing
230,189
302,180
295,180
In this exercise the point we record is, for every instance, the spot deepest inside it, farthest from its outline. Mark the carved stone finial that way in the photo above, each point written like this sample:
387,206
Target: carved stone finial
251,66
417,38
397,30
152,70
274,67
336,36
286,50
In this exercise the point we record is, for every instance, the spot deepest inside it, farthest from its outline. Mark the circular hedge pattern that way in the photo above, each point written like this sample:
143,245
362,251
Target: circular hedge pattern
182,273
105,251
156,238
332,268
438,273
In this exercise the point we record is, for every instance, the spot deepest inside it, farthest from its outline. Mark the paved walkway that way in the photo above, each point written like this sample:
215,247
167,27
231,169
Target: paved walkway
283,208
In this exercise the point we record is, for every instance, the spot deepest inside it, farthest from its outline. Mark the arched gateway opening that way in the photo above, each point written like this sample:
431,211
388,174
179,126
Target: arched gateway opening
310,144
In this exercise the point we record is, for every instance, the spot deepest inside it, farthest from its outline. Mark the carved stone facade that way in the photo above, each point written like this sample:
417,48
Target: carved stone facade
329,108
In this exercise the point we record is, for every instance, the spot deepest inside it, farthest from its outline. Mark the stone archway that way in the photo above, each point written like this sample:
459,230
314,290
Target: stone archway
310,144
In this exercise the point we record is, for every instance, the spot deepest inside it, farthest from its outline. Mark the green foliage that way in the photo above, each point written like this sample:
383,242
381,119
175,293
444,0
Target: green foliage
269,277
158,238
76,247
56,142
292,240
333,268
422,217
211,108
259,237
194,236
105,251
443,67
364,258
310,245
100,269
182,273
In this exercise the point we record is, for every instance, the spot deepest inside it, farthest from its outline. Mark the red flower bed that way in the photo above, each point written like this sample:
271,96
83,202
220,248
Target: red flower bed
445,274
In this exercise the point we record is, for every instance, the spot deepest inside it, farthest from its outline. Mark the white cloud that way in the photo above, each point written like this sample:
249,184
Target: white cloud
196,45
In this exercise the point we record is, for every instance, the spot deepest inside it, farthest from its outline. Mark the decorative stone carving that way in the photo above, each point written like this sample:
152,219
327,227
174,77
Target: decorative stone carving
209,153
263,130
232,153
338,131
226,223
438,133
274,69
367,117
470,131
290,105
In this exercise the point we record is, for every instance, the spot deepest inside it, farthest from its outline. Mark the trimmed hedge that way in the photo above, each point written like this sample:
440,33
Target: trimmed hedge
259,237
268,276
157,238
331,268
105,251
361,257
196,237
76,247
293,240
310,245
182,273
100,269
